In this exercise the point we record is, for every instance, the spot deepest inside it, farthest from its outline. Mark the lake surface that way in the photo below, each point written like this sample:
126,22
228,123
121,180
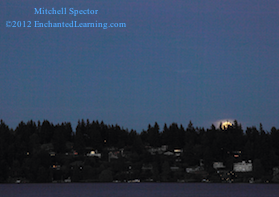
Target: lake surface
139,189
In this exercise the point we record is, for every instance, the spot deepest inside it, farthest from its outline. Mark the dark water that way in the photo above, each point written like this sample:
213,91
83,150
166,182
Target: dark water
139,189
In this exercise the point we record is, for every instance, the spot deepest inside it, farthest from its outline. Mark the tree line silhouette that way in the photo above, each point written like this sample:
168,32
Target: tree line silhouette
26,151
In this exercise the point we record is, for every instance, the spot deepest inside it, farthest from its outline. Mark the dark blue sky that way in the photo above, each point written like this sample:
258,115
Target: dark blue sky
175,61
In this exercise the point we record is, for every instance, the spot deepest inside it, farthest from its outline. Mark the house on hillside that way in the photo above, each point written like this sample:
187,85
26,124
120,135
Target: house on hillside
178,152
114,155
159,150
194,169
243,166
218,165
94,154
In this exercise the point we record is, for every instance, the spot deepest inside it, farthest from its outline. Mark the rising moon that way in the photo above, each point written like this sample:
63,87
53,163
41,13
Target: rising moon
225,125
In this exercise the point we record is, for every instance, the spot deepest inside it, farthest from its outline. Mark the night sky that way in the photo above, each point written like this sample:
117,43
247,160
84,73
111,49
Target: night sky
175,61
